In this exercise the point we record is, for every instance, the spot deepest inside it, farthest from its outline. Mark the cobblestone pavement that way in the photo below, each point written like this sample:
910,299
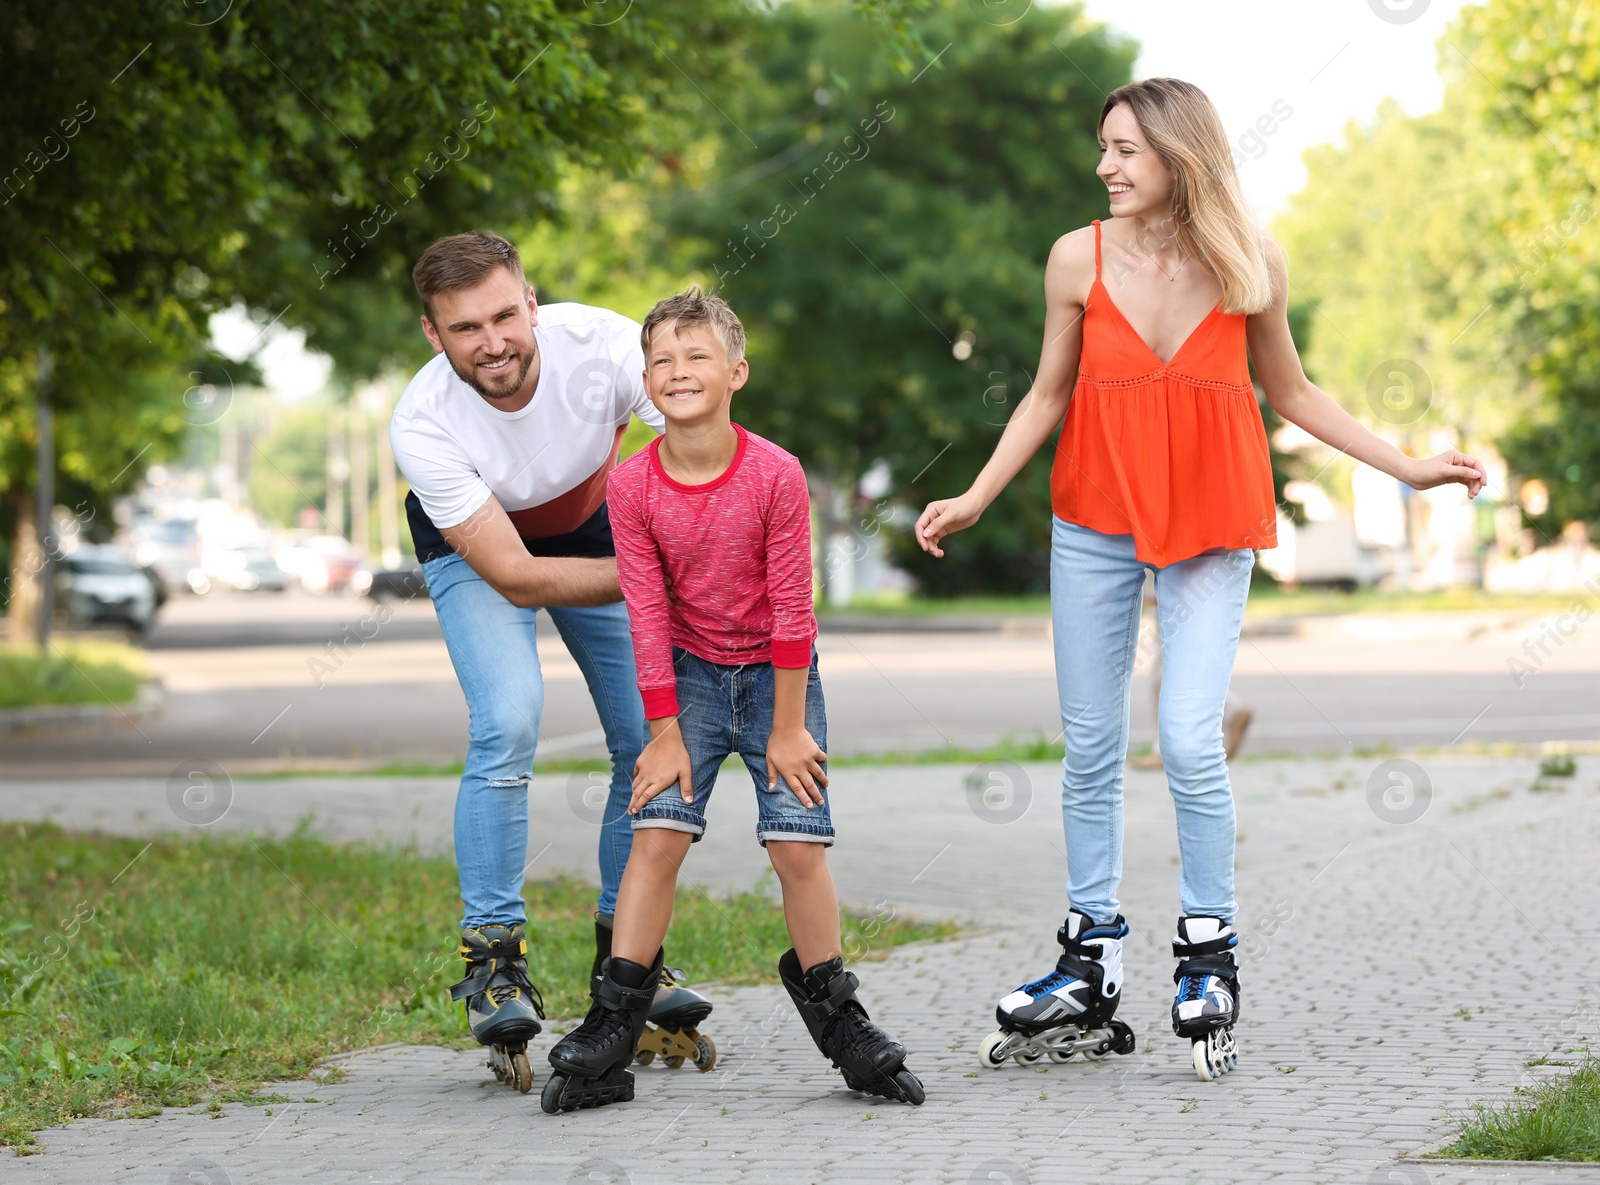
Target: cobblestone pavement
1413,944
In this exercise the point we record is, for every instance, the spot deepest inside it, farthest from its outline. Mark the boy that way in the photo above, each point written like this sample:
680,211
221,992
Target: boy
713,538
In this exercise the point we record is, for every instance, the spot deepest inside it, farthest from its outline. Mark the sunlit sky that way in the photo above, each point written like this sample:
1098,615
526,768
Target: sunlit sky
1325,61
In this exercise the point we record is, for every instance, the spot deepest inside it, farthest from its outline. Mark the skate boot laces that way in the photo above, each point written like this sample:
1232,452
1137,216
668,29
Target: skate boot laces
510,978
853,1031
601,1028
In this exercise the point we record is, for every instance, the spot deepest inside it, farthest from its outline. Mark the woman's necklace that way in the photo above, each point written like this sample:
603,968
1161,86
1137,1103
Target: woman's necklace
1163,271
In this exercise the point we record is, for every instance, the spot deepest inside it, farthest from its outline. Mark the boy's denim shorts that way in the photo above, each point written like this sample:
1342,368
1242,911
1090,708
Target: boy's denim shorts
726,710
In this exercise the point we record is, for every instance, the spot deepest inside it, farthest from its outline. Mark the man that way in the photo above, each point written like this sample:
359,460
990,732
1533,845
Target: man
508,437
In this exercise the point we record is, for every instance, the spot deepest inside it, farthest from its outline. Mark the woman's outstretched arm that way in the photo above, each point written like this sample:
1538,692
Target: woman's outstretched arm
1301,402
1066,279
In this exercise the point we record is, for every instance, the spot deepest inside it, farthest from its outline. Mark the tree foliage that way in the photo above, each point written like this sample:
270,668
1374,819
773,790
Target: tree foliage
1466,241
1532,71
167,160
883,234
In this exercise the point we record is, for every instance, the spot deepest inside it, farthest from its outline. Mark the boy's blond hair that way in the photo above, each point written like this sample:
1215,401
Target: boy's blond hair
696,307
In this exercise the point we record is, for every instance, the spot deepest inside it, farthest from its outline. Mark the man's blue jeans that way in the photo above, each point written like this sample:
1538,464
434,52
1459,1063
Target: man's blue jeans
491,644
1096,586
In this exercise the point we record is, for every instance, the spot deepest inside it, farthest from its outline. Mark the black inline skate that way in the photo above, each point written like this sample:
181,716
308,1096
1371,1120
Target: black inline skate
872,1061
672,1032
591,1062
1206,1005
503,1007
1069,1011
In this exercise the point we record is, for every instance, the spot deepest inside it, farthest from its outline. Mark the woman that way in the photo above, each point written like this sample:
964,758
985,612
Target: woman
1162,464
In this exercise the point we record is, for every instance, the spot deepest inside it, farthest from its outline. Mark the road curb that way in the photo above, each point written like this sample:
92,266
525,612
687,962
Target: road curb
150,702
1406,627
934,623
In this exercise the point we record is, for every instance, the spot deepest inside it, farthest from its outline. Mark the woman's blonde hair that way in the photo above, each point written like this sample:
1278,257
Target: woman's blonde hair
1214,224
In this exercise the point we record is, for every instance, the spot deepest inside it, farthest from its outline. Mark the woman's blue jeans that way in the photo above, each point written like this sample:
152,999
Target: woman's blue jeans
491,644
1096,583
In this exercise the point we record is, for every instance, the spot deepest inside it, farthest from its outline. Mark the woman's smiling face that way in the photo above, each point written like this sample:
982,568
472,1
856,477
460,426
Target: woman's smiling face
1137,179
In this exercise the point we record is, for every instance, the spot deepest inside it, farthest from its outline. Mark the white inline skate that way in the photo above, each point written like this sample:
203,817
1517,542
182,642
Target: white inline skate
1070,1011
1206,1005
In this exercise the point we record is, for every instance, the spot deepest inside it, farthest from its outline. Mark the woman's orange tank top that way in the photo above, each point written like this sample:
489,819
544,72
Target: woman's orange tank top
1175,453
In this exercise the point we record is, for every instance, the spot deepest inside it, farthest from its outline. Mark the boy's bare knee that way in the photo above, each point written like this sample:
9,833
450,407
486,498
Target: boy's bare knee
796,858
660,847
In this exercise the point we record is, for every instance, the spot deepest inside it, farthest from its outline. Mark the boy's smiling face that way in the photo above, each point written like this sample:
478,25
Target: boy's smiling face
688,375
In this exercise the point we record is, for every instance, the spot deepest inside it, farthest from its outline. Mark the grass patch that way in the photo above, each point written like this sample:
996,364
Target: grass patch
140,975
70,673
1555,1120
1008,748
1265,601
1019,749
1274,602
904,606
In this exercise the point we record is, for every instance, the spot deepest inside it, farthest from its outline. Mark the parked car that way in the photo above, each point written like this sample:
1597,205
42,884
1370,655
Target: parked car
321,563
246,570
170,547
97,583
390,584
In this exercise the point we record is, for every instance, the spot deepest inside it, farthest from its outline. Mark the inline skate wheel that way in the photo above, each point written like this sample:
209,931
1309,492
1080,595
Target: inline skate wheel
521,1072
1064,1055
645,1056
705,1053
1123,1040
550,1097
672,1063
986,1050
1029,1057
1215,1054
910,1087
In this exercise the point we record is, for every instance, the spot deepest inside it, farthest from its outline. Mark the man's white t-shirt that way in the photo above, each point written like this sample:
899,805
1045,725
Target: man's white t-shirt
548,463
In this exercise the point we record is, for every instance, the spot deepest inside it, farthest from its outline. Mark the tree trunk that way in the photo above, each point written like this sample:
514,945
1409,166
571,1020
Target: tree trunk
360,477
388,506
27,560
338,472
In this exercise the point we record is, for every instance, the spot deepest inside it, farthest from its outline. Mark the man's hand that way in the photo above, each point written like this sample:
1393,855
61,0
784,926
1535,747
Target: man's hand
796,758
663,762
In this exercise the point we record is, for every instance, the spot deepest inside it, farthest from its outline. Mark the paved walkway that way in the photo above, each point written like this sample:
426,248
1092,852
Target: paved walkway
1406,956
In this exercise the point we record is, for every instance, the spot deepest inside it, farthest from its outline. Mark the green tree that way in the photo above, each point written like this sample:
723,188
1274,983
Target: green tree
160,161
882,233
1465,241
288,469
1392,244
1530,72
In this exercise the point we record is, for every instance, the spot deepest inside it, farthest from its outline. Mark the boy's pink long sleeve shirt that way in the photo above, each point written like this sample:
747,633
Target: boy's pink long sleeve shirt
736,553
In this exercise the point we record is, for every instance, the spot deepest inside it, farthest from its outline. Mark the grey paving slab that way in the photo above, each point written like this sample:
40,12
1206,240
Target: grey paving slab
1396,972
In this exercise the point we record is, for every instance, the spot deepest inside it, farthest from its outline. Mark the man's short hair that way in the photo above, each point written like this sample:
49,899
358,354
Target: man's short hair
695,307
461,261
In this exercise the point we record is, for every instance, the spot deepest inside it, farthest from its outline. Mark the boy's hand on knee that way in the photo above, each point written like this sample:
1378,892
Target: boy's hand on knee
664,761
795,757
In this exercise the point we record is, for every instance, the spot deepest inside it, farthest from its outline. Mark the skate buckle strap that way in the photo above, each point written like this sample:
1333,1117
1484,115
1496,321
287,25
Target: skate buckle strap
1211,946
838,990
477,980
610,994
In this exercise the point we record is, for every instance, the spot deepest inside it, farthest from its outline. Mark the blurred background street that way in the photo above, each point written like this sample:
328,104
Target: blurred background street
251,682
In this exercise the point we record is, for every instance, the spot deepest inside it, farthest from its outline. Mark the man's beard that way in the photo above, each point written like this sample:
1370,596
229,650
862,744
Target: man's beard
516,376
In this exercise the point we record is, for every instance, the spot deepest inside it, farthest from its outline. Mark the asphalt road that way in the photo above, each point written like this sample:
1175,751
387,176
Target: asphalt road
251,681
